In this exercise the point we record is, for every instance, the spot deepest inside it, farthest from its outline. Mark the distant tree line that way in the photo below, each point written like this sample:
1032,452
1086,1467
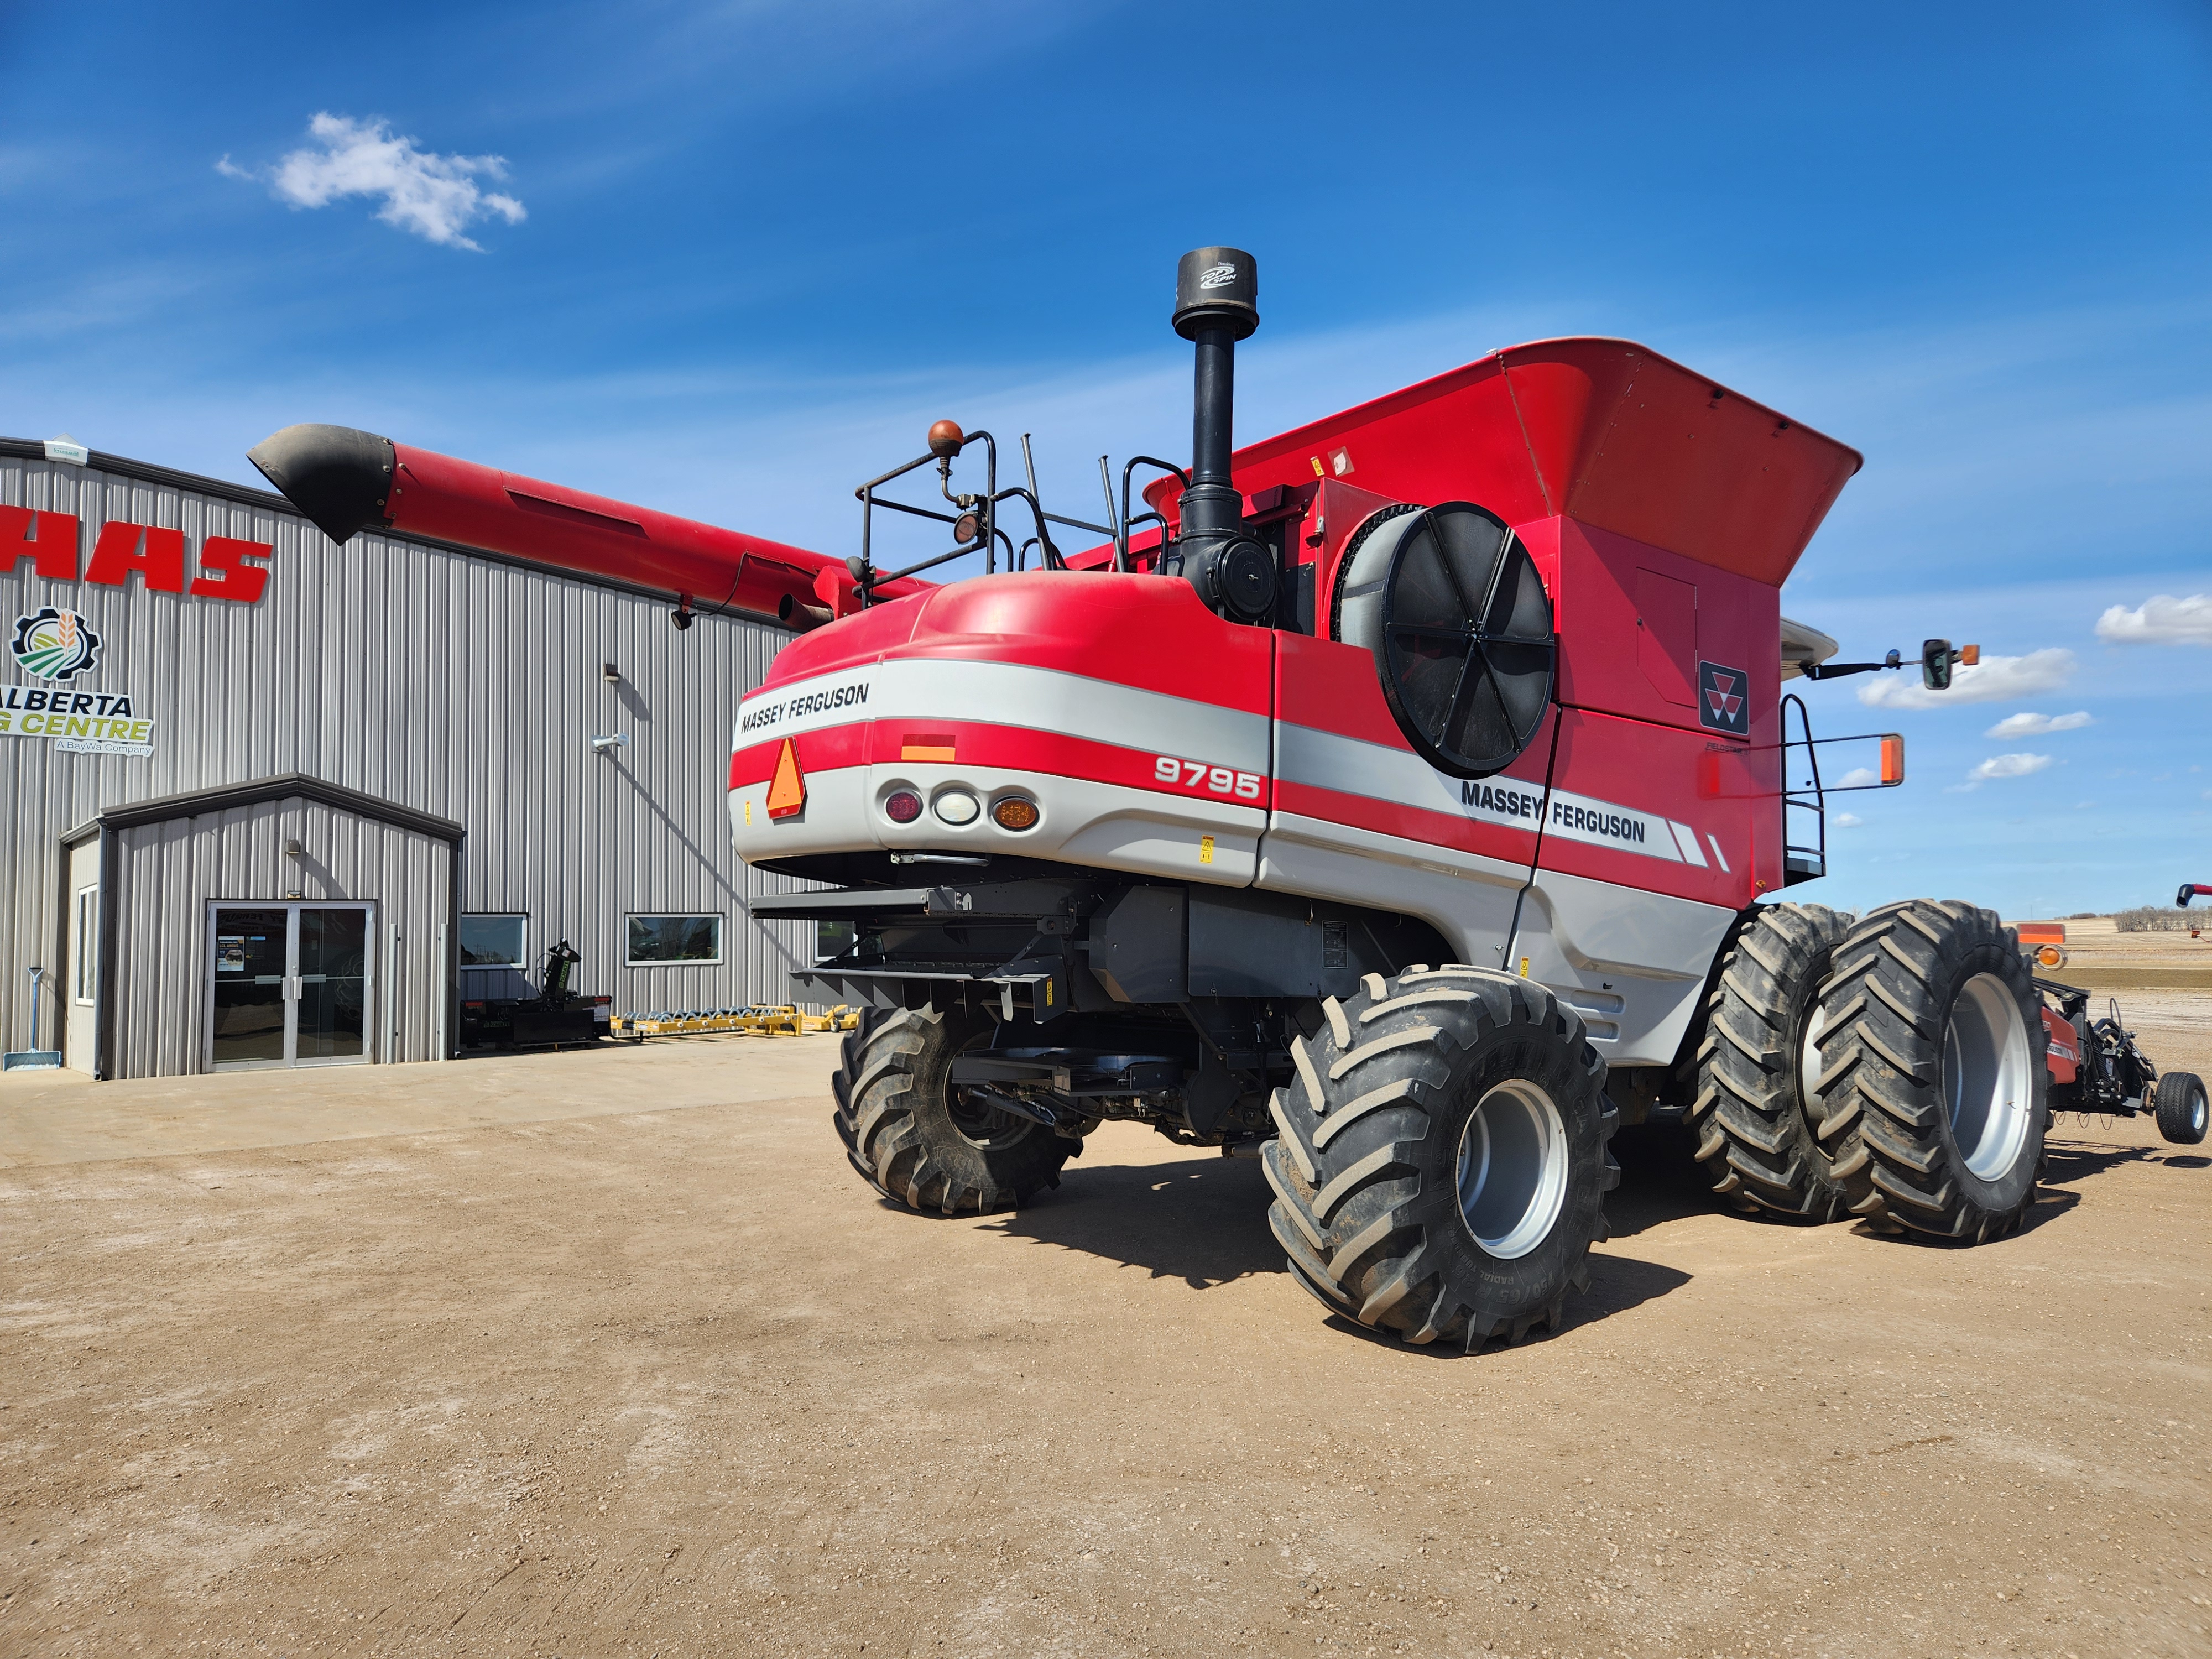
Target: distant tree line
2159,919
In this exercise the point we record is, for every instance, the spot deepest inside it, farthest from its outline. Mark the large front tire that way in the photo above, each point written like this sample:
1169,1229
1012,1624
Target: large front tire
1758,1059
1442,1167
1933,1093
923,1143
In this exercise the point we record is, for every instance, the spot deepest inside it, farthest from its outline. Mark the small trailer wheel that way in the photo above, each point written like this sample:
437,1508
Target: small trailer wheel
2179,1100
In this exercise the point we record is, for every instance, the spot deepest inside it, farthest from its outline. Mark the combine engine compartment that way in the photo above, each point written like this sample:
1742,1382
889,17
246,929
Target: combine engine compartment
1486,671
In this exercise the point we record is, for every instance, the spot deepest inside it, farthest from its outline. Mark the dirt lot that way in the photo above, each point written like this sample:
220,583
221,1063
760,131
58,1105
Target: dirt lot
612,1354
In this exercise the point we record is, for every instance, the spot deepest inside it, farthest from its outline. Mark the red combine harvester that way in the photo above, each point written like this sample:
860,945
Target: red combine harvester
1404,806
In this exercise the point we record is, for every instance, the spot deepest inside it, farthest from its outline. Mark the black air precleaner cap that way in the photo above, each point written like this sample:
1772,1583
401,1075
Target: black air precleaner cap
1216,288
340,478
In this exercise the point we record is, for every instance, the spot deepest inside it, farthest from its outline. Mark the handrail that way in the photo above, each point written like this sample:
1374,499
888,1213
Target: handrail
1818,803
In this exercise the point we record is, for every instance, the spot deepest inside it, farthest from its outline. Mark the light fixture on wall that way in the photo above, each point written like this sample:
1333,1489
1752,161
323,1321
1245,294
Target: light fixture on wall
608,742
294,888
610,674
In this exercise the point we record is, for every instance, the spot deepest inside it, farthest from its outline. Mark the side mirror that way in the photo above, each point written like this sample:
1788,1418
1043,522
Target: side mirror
1936,665
1937,659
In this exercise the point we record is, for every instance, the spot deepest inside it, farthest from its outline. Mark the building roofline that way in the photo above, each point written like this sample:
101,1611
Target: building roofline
288,786
31,449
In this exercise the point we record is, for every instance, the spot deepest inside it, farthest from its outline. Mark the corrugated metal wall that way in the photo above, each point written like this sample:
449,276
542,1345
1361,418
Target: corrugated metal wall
457,685
166,873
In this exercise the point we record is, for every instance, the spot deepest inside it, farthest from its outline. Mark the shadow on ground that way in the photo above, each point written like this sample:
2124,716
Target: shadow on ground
1659,1181
1201,1220
1205,1221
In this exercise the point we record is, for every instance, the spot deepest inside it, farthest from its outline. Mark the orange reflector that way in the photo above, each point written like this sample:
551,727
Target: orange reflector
787,791
1892,760
1970,655
2051,956
925,746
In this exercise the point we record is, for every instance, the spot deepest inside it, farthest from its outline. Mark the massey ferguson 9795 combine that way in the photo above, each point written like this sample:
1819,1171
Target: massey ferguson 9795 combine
1402,800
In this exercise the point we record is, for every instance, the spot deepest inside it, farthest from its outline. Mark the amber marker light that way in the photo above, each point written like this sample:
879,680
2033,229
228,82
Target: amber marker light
1015,813
1892,760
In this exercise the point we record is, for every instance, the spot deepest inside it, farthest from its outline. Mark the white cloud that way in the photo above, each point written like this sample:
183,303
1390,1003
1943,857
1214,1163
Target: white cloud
2160,619
1859,777
2009,766
436,197
1993,679
1847,820
2037,725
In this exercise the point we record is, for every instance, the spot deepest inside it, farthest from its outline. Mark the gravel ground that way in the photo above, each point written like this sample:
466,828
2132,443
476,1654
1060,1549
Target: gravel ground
578,1377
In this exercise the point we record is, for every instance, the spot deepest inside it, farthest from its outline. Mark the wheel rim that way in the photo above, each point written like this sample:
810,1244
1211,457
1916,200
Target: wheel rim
980,1123
1512,1169
1986,1084
1808,1052
2197,1113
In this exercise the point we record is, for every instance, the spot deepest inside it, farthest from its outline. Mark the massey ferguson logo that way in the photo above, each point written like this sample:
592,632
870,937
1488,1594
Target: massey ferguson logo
1217,276
55,644
1723,700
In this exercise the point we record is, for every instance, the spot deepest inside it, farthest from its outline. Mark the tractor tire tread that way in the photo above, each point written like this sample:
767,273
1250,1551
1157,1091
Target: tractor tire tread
1758,1147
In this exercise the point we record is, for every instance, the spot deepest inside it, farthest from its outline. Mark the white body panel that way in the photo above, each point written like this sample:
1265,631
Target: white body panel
1632,962
1102,826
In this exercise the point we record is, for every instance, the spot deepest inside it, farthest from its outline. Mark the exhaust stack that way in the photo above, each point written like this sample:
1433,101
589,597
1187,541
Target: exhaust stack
1217,305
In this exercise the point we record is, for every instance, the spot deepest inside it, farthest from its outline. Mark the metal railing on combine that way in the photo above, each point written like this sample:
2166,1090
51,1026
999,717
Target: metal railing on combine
777,1019
1801,861
1804,861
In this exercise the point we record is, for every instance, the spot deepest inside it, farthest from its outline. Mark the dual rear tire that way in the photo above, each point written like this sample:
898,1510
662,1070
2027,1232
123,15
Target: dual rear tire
1933,1094
1757,1059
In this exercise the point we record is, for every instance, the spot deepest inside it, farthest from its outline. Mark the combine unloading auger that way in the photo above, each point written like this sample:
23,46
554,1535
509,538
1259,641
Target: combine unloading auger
346,481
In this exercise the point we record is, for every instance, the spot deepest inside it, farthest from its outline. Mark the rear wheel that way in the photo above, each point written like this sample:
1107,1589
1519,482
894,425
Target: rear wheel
2180,1099
1933,1094
927,1145
1442,1167
1759,1059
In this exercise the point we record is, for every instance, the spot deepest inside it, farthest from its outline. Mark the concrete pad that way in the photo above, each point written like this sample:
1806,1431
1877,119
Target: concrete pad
65,1117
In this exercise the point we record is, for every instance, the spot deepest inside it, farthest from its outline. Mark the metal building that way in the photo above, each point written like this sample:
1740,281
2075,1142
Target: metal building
278,802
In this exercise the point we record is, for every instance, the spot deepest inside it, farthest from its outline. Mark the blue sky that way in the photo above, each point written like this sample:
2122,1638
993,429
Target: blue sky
742,254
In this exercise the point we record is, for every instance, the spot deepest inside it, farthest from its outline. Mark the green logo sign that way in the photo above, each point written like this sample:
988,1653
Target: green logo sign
55,644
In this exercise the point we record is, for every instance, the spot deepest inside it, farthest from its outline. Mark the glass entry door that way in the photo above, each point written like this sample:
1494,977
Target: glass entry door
290,984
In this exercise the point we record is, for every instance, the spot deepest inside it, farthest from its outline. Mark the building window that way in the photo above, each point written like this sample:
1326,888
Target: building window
657,939
492,941
88,946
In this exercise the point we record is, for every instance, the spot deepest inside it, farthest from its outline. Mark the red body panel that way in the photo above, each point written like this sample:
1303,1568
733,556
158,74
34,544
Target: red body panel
2064,1056
456,501
1327,687
1604,432
1149,632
